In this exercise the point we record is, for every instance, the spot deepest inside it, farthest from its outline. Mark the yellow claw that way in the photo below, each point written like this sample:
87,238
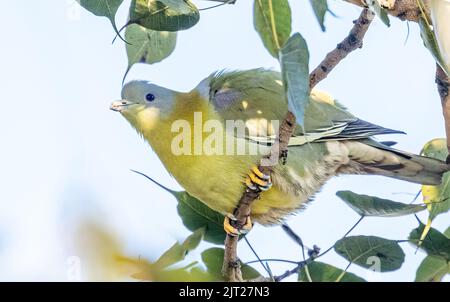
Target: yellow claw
259,173
257,180
233,231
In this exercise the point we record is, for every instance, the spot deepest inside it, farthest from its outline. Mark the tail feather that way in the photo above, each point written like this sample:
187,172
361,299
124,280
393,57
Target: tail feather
371,157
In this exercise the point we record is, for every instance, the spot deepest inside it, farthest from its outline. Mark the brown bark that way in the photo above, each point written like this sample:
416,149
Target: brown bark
402,9
353,41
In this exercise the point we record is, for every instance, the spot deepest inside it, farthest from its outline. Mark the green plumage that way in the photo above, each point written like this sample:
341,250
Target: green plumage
263,91
325,120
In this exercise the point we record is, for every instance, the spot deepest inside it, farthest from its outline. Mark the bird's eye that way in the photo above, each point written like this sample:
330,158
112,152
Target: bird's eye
150,97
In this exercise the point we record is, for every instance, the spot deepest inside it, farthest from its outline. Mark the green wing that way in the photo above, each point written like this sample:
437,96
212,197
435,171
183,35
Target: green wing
259,94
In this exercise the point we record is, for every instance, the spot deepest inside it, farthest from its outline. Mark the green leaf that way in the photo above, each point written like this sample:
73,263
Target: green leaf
437,197
322,272
272,21
379,11
189,273
148,46
178,251
193,240
370,251
430,42
196,214
213,260
164,15
195,274
320,8
435,148
366,205
103,8
432,269
294,59
435,243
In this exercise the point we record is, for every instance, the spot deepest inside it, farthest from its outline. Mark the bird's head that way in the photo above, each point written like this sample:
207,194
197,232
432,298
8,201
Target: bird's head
143,104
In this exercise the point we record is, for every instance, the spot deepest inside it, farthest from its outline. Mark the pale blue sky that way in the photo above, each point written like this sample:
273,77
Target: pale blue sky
66,156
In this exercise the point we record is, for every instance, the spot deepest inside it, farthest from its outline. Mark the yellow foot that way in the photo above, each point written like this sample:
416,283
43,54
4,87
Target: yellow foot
258,181
232,230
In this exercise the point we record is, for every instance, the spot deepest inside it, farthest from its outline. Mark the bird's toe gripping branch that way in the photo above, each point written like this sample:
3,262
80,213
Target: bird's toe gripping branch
231,228
257,181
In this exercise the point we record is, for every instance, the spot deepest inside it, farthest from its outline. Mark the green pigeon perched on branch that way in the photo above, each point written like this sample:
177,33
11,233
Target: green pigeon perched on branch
211,140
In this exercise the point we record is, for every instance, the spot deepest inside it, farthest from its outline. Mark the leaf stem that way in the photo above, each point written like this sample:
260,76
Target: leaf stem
154,181
256,255
345,235
217,5
272,260
273,26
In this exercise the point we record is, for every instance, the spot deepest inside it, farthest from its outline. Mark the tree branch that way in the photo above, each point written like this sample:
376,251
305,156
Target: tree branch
312,256
402,9
443,84
295,270
231,266
353,41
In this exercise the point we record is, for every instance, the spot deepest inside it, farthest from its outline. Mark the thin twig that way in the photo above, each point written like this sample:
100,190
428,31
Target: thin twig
256,255
294,270
443,84
353,41
313,255
406,10
345,235
339,278
272,260
218,5
231,267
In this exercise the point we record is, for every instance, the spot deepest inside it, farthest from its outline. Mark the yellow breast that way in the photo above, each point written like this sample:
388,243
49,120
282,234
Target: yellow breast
215,179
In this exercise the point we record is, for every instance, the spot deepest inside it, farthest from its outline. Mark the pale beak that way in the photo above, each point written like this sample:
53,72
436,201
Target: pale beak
120,105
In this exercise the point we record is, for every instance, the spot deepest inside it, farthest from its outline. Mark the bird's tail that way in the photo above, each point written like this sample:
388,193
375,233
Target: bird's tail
371,157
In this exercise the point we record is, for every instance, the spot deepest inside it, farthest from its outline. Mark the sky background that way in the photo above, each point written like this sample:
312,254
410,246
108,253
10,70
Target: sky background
65,158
